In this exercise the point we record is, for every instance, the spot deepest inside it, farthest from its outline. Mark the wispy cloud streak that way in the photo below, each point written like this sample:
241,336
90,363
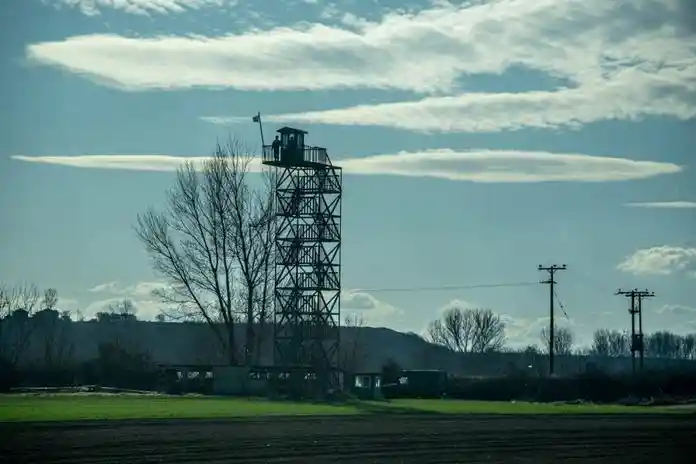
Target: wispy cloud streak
474,166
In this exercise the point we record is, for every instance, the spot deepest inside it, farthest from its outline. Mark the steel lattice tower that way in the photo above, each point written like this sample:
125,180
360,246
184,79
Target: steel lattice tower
307,263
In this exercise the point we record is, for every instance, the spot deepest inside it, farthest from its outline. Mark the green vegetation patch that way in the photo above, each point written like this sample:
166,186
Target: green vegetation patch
517,407
75,407
114,407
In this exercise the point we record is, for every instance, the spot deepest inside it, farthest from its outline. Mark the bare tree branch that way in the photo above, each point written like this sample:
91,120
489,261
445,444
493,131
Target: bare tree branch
52,328
488,331
212,246
610,343
468,330
353,352
17,305
563,340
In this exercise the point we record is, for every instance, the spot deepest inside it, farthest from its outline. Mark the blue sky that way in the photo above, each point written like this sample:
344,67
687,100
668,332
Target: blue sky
479,139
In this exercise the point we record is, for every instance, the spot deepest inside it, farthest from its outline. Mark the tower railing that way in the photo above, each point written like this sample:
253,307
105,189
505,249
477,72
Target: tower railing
310,155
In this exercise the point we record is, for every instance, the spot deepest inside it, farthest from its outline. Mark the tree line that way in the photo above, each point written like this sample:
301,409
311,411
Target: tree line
481,330
27,314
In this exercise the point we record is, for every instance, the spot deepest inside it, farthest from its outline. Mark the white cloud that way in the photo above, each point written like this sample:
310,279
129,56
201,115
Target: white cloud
473,166
676,318
67,304
617,60
631,95
584,41
137,290
374,311
140,294
522,331
507,166
124,162
663,204
105,287
677,310
659,260
138,7
456,303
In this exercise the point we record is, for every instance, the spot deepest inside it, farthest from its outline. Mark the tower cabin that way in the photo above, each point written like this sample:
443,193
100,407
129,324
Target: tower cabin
289,149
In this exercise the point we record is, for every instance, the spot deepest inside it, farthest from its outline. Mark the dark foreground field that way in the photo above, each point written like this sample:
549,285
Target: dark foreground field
365,439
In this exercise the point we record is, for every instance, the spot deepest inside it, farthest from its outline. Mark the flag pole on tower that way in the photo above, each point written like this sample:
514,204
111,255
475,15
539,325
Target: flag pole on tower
257,118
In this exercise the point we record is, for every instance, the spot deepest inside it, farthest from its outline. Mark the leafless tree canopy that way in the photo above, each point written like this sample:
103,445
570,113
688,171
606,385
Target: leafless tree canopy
213,244
123,310
611,343
353,350
468,330
563,340
17,305
52,328
489,330
50,299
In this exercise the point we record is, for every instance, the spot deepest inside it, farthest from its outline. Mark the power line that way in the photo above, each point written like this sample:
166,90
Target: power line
560,303
444,288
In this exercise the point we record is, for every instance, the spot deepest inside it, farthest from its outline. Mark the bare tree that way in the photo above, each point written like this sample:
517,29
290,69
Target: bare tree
17,305
53,330
689,346
531,350
46,322
563,340
50,299
123,310
118,321
460,326
211,244
454,330
264,283
468,331
663,344
488,331
436,333
610,343
352,351
79,315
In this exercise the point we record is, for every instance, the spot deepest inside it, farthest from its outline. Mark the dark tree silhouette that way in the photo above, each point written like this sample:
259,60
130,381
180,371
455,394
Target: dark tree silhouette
610,343
563,340
352,350
468,331
455,330
213,245
17,305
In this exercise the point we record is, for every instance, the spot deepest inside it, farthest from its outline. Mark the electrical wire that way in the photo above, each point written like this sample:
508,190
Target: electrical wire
560,303
444,288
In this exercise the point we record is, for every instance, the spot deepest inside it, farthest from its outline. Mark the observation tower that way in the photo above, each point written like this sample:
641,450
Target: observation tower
307,263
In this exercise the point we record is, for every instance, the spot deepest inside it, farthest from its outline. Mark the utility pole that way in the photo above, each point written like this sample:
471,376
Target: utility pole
637,343
552,271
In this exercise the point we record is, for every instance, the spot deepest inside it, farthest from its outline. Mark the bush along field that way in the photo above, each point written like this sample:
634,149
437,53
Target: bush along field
595,387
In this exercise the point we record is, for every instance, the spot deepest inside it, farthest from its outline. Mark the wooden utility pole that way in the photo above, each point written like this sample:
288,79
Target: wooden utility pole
552,271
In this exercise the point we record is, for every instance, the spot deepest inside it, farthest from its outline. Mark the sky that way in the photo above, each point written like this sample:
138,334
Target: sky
478,139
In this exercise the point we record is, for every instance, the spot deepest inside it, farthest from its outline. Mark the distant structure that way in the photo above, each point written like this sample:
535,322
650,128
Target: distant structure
308,194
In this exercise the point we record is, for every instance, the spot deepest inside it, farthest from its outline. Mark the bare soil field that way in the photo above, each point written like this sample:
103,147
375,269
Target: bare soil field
366,439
